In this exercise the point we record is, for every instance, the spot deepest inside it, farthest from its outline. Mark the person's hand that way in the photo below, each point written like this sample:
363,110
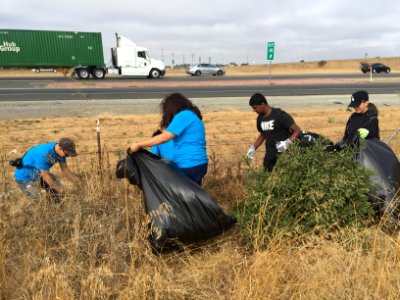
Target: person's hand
251,152
363,133
134,148
282,146
61,192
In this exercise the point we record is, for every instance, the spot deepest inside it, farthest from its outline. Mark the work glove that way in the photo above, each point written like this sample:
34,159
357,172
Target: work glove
283,145
363,132
251,152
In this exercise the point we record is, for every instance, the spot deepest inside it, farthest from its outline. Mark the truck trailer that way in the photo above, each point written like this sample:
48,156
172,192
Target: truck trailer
74,52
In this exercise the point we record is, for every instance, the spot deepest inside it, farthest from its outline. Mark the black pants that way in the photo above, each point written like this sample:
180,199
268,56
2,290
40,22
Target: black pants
270,159
52,193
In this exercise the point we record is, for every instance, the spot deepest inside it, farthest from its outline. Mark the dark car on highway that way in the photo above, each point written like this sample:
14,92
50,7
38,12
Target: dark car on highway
376,68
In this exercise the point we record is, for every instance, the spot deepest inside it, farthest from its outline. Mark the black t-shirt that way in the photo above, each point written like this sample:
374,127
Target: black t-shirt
366,120
275,127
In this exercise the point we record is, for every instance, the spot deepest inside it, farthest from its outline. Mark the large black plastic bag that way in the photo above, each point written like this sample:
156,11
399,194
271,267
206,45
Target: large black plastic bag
127,168
380,158
309,139
180,210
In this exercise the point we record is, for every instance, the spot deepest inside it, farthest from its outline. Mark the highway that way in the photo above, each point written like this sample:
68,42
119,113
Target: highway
37,88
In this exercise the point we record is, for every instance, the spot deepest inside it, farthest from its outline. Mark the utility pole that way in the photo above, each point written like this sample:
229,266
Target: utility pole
173,60
162,54
209,60
193,55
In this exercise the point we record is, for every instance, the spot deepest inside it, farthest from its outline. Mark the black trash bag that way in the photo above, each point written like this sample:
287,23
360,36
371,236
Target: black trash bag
351,141
308,139
180,210
380,158
127,168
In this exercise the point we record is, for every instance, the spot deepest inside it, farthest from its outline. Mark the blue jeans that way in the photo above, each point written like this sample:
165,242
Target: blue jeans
32,188
196,173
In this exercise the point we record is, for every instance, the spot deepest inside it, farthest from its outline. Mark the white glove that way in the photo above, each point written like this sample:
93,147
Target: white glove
283,145
251,152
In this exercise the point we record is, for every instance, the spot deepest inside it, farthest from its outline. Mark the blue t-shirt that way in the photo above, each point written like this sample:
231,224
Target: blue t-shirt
189,141
40,157
165,150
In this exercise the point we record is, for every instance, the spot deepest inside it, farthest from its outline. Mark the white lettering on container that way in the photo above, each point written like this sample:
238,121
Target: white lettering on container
9,47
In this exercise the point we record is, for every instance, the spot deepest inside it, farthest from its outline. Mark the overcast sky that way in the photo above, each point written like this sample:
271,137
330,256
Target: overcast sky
224,31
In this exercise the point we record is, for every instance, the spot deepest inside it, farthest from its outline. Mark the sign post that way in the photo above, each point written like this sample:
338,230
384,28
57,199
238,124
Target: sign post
270,56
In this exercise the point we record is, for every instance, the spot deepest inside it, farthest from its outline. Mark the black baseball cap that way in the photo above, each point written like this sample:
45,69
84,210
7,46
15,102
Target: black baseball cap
68,146
257,99
358,97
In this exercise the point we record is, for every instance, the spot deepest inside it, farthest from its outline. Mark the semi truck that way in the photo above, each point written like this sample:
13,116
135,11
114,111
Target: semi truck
72,52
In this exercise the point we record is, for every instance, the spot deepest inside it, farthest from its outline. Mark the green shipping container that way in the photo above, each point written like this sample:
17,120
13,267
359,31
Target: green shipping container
42,48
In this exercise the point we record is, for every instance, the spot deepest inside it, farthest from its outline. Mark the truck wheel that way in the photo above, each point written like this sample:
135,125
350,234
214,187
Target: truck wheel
219,73
197,73
98,73
154,73
83,73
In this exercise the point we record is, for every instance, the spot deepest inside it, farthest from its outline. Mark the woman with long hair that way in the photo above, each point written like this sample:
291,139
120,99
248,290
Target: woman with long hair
181,122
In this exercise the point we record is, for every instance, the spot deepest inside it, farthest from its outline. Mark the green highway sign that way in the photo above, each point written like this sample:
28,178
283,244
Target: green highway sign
270,50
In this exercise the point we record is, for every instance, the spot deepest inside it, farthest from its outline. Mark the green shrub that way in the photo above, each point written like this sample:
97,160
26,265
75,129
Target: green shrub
309,191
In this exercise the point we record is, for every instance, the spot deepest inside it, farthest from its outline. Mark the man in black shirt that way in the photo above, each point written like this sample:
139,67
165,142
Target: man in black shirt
277,128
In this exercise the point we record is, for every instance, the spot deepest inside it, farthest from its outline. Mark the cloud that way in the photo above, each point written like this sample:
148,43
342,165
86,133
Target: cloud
221,30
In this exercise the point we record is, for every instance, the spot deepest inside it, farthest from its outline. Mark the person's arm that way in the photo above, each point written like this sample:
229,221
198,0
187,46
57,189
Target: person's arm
373,128
67,172
347,132
49,180
156,140
260,139
295,130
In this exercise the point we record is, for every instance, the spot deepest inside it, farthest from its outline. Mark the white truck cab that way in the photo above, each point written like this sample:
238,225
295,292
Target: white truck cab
132,60
128,59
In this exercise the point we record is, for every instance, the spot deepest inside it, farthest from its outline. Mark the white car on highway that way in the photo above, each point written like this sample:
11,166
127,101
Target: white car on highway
200,69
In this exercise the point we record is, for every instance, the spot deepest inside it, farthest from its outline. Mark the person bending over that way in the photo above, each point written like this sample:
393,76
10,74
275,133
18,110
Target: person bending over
33,174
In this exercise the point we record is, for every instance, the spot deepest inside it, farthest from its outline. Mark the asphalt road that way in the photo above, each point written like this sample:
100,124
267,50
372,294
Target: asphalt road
34,88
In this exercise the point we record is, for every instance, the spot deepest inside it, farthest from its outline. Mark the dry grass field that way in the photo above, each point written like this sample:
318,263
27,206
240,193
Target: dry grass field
307,67
94,246
313,67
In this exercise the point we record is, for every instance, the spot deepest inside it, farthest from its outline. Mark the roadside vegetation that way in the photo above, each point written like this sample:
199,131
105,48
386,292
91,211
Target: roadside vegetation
94,244
300,67
312,191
